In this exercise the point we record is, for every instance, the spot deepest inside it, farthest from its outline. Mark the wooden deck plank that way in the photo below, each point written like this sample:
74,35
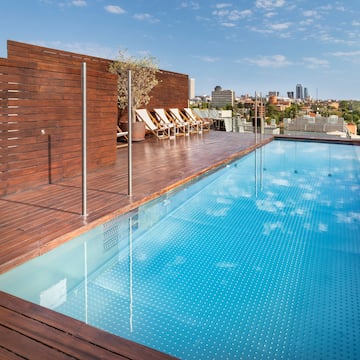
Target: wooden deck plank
23,346
6,354
52,341
65,334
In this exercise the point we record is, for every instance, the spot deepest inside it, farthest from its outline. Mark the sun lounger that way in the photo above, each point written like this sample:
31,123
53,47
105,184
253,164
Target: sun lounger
160,131
121,135
205,124
180,118
164,118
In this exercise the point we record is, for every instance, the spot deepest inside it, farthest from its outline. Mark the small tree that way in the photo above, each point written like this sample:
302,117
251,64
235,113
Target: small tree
143,80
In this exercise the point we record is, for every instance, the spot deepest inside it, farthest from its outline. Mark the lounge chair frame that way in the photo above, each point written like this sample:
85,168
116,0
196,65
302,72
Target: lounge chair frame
159,130
166,119
121,134
195,118
180,118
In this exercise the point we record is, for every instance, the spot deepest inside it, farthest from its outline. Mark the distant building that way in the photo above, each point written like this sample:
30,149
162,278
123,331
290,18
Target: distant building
273,93
191,88
221,98
299,92
315,124
273,99
290,94
352,128
306,93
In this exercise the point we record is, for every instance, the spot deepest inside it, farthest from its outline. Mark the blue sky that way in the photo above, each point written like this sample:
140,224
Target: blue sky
243,45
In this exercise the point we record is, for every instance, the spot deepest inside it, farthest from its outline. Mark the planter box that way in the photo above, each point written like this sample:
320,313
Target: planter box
137,130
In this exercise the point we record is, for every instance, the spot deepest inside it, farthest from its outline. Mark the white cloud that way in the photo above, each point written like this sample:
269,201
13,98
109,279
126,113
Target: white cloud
270,14
146,17
274,61
355,23
346,53
261,30
208,59
280,26
351,56
326,7
79,3
221,12
236,14
328,38
310,13
228,24
232,14
314,63
222,5
191,4
227,17
114,9
269,4
306,22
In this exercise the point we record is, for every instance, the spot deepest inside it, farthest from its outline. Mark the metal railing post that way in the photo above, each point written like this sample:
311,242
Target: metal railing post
256,115
129,135
84,141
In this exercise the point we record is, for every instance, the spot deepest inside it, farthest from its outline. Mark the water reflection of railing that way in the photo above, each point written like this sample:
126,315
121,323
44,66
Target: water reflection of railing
130,275
259,170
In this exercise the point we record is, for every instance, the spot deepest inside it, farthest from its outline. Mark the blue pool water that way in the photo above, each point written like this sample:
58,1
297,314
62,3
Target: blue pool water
259,260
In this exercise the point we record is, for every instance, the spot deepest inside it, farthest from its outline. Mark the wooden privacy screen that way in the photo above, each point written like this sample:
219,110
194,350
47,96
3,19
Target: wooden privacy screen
171,92
41,116
41,113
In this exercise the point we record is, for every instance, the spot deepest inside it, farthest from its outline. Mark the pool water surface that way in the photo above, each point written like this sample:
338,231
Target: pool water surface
258,260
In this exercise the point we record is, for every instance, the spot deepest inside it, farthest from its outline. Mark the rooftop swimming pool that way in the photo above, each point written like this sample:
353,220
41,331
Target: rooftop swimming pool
258,260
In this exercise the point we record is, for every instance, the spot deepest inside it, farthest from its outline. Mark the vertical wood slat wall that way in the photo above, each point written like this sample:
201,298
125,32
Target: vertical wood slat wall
41,113
41,116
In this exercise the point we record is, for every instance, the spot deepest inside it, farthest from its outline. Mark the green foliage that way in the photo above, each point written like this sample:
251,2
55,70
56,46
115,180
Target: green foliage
355,105
272,112
344,106
291,111
143,79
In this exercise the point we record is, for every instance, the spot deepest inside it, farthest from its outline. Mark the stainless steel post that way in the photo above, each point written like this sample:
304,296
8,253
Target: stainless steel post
129,135
84,141
256,116
262,108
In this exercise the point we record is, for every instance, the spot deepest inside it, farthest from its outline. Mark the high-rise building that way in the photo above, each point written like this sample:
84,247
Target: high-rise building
191,88
306,93
290,94
221,98
299,92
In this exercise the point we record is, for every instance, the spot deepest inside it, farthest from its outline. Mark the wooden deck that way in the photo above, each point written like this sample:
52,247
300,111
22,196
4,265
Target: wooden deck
29,331
35,221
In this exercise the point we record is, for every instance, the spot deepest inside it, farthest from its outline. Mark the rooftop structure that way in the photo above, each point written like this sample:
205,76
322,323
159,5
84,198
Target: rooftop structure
317,124
299,92
221,98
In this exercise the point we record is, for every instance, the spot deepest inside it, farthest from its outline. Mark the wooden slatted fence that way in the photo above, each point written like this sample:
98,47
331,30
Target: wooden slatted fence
41,114
41,117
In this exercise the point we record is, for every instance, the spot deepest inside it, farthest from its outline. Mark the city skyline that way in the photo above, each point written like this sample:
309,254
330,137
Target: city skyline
244,46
